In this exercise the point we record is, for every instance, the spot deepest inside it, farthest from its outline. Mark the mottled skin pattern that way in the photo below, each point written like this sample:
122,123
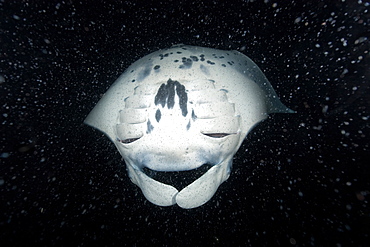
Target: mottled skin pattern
180,109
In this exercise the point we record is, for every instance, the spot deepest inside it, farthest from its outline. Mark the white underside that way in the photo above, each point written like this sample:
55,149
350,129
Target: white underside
194,195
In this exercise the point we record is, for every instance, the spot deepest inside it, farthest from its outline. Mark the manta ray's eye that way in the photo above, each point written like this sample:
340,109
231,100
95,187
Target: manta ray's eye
128,141
217,135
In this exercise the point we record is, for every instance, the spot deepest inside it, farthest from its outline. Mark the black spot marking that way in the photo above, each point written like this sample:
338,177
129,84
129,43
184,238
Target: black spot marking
163,56
222,57
193,116
230,63
158,115
183,98
171,95
179,52
210,62
176,61
166,96
204,69
161,96
157,67
133,80
202,57
149,127
223,65
186,63
194,58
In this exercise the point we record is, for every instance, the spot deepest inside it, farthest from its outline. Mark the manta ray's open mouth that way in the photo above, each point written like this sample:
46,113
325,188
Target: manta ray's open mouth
177,179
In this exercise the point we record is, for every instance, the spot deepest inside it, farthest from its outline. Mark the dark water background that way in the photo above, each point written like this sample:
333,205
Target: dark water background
298,180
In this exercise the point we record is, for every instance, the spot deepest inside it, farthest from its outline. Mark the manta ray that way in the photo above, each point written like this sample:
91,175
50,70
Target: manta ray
180,109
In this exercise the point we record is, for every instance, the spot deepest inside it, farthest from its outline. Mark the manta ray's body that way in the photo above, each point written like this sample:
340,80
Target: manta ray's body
180,108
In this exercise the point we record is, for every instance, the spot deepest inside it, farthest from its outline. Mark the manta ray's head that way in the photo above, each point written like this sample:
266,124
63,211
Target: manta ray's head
178,126
178,116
